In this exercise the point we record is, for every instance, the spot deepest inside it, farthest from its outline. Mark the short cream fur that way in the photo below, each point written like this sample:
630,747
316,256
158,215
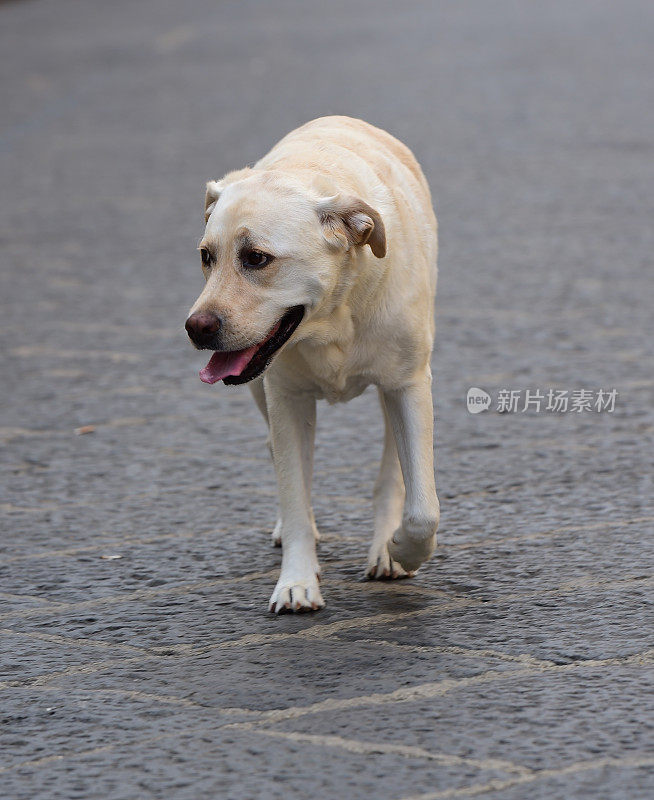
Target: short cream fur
345,211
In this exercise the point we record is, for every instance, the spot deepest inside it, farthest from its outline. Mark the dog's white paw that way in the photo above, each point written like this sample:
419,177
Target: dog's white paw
381,566
296,593
409,551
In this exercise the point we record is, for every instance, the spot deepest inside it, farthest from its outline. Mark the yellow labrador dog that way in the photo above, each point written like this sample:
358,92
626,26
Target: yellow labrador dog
320,268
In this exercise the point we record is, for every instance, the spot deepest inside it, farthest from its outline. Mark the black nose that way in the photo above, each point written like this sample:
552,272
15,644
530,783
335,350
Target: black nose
202,325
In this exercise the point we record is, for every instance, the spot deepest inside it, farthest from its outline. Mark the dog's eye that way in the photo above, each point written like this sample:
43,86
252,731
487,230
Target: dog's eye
205,255
255,259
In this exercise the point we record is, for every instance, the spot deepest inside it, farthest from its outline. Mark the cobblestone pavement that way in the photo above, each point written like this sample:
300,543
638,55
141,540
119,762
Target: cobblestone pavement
139,657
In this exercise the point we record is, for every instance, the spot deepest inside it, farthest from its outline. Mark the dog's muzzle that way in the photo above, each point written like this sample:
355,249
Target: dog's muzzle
240,366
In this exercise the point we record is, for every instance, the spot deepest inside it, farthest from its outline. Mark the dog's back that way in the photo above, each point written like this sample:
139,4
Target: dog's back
336,151
389,300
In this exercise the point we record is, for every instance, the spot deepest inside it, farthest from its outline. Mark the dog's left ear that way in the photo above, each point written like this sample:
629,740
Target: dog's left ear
214,188
347,220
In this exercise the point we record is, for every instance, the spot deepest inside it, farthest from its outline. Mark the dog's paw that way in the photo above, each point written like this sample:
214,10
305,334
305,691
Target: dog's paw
409,551
381,566
297,593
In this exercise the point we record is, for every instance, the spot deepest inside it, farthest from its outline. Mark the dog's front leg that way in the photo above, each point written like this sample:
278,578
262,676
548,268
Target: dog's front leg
292,418
410,411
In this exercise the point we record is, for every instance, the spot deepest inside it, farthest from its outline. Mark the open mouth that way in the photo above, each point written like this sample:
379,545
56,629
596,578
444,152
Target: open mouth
241,366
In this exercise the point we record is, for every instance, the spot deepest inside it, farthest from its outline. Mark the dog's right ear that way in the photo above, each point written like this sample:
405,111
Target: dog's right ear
214,188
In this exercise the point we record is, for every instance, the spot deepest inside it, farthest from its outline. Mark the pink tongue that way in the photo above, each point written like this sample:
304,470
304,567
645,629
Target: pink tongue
222,365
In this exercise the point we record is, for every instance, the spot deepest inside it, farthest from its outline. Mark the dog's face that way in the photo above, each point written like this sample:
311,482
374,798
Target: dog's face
271,253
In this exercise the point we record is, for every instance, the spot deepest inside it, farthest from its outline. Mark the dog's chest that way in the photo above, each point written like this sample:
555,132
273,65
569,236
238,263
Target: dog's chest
352,387
333,372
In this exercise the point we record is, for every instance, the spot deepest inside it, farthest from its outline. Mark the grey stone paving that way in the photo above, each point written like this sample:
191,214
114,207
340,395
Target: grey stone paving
518,663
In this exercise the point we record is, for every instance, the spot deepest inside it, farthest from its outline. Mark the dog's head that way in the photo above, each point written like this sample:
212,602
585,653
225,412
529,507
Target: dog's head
272,252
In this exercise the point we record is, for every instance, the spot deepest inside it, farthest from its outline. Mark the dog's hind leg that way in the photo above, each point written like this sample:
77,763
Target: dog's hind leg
388,501
256,387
